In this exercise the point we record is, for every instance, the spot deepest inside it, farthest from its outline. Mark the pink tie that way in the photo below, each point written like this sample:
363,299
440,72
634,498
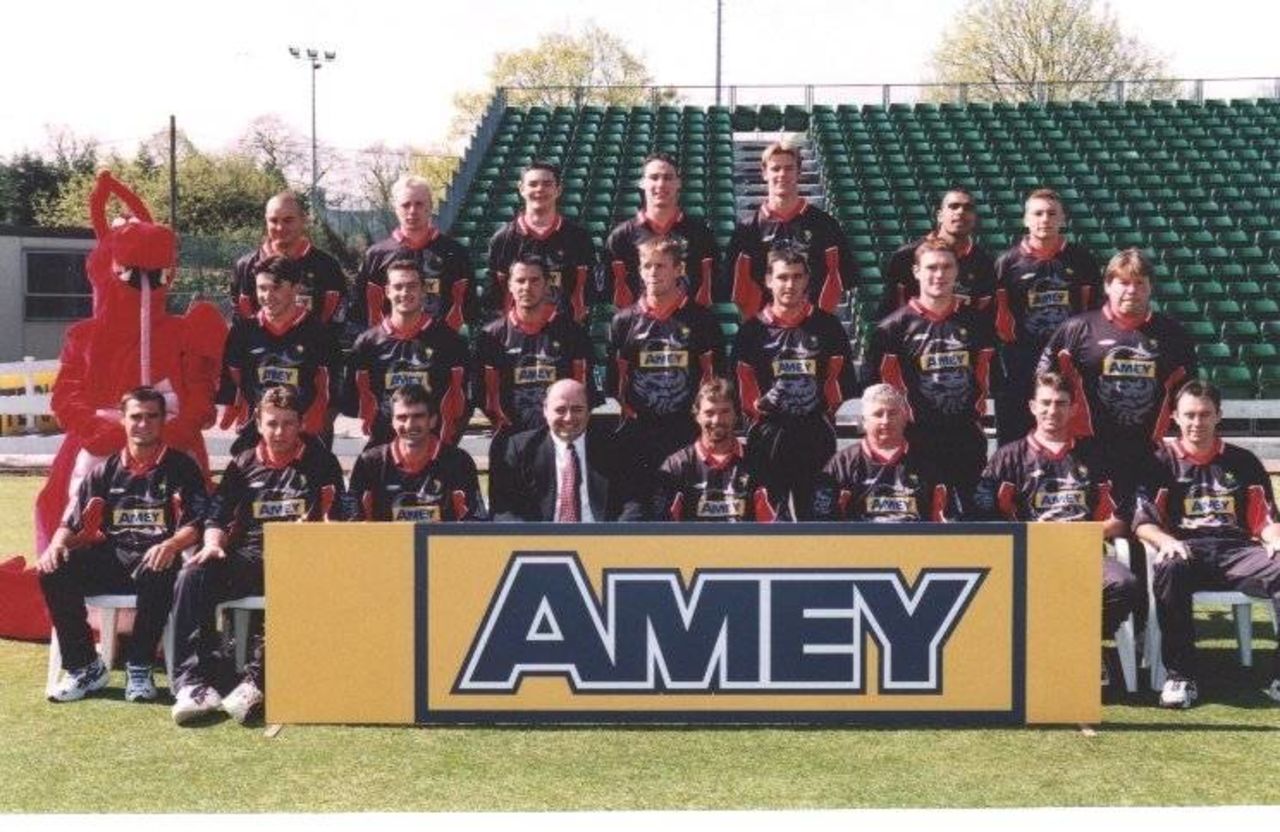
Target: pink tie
567,501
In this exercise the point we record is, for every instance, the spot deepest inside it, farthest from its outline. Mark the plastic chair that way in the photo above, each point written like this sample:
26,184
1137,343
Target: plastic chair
108,607
240,609
1125,636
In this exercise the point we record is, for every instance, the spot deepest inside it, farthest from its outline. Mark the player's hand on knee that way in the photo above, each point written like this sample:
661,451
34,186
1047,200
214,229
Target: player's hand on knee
52,557
1272,547
158,557
207,553
1173,549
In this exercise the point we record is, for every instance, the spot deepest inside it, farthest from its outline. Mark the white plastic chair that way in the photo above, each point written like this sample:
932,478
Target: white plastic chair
108,607
240,609
1126,641
1241,609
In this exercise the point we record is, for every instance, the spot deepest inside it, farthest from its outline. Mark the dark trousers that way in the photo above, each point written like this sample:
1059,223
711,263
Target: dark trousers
959,453
198,655
1121,595
101,570
1214,565
787,453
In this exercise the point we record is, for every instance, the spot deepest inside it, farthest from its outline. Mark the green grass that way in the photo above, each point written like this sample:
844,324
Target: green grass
106,755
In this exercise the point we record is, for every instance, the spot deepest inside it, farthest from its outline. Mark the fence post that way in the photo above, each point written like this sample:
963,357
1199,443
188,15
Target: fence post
884,95
29,381
1199,90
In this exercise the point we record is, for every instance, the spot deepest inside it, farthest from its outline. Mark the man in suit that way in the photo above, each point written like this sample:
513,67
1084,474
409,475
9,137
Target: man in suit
563,472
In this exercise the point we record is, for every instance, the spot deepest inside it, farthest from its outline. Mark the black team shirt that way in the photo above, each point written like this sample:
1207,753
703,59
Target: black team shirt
301,355
657,363
1035,294
132,507
1125,373
448,281
815,232
253,492
941,362
975,283
859,484
517,363
691,485
1224,494
383,358
798,368
622,256
444,487
322,287
1026,482
570,259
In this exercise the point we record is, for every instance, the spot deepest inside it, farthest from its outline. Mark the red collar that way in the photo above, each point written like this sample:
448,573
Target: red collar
1125,322
300,249
891,459
529,231
704,454
428,237
653,225
919,309
280,329
402,462
783,216
1042,254
547,314
1183,452
1046,452
771,318
962,253
643,303
137,468
264,456
405,334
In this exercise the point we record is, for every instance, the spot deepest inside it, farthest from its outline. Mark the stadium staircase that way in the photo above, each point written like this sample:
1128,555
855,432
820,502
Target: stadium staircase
1194,184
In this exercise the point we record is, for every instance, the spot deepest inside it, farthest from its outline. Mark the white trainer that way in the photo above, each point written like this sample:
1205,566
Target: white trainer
194,702
1178,693
242,701
75,684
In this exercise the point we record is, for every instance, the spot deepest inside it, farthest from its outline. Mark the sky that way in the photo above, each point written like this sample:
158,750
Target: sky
116,72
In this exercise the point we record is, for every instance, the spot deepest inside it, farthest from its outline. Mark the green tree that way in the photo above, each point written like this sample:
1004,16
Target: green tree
1023,50
32,183
563,69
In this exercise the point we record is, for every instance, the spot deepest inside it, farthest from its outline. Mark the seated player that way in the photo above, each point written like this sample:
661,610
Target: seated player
938,352
793,366
1046,476
288,478
284,344
415,477
563,472
124,533
661,348
882,479
1208,510
407,347
709,480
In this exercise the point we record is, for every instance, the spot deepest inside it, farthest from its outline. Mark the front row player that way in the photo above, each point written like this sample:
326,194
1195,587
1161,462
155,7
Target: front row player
288,477
882,479
709,480
135,512
1208,510
415,477
1046,476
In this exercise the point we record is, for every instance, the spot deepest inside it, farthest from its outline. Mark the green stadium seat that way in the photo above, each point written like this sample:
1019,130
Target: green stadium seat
1234,382
1238,332
1269,381
1201,332
1223,310
1257,355
1211,355
1262,309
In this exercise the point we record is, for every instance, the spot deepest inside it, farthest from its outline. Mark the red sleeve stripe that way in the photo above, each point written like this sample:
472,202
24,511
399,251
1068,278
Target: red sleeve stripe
1259,513
937,514
622,297
1166,404
460,509
763,509
1106,508
704,288
746,292
374,295
1005,501
833,286
748,390
579,299
676,509
1004,317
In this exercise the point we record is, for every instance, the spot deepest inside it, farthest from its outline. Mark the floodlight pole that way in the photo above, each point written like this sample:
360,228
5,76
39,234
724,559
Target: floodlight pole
719,54
317,59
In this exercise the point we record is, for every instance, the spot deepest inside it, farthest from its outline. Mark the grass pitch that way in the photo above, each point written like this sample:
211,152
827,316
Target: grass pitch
107,755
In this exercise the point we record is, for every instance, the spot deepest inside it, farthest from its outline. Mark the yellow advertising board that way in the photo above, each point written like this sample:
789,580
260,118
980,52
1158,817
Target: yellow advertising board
684,623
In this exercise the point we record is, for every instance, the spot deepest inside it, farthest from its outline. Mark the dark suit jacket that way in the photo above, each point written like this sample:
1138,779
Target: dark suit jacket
522,479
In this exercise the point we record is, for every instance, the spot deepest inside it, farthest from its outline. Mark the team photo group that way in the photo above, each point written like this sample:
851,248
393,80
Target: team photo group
1099,411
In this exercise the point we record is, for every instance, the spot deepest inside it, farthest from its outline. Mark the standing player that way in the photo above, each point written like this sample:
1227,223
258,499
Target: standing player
415,477
134,514
1126,362
283,345
793,362
939,352
1046,476
563,245
409,346
976,284
785,219
1209,512
322,287
661,216
709,481
882,479
1040,282
287,478
661,348
448,283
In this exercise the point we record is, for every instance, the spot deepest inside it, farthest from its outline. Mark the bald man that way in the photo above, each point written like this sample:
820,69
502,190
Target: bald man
564,471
